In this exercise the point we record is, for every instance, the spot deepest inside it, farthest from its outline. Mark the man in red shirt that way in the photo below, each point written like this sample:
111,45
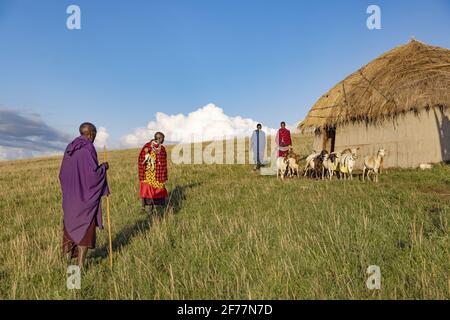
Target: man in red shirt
283,140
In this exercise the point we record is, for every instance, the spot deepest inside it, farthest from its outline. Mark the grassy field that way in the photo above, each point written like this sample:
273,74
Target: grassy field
233,234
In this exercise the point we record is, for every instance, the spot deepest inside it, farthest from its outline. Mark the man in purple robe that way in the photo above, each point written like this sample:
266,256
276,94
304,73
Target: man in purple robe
83,183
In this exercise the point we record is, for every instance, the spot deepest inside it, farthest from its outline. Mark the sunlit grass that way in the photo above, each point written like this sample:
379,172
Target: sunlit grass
233,234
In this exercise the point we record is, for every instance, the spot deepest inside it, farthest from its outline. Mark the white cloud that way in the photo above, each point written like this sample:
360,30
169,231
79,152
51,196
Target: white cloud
101,139
10,153
205,124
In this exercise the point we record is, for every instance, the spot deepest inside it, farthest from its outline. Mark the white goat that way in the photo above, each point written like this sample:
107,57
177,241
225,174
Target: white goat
293,167
310,162
372,164
282,166
425,166
347,162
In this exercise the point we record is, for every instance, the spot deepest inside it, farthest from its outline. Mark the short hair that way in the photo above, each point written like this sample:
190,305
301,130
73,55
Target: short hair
259,125
87,127
159,133
283,123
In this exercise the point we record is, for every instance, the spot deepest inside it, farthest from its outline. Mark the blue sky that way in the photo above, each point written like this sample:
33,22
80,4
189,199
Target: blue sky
264,60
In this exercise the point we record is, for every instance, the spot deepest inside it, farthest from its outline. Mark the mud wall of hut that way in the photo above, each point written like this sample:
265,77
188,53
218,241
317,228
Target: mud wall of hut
409,140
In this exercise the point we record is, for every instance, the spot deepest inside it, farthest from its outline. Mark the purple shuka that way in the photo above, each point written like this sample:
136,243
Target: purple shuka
83,183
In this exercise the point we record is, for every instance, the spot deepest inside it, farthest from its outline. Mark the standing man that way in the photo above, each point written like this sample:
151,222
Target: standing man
83,184
258,141
152,165
283,140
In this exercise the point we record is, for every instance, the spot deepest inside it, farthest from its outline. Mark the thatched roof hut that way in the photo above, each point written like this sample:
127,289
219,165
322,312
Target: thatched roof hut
375,105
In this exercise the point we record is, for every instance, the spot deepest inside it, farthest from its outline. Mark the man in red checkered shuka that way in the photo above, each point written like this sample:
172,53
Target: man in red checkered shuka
152,165
283,140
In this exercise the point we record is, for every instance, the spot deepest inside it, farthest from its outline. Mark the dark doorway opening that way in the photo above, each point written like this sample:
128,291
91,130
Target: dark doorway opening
329,139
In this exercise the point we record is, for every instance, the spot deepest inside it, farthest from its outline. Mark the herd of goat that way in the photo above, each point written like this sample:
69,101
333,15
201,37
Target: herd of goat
324,165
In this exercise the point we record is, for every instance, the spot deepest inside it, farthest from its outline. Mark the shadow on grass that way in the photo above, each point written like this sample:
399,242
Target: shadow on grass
124,236
177,196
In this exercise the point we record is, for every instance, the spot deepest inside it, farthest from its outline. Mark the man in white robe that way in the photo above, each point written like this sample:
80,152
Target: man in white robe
258,142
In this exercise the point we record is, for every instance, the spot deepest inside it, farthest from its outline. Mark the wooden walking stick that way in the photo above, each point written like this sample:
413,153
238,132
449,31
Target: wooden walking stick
108,218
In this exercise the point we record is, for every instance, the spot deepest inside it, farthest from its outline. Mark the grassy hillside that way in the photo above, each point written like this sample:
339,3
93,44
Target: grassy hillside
233,234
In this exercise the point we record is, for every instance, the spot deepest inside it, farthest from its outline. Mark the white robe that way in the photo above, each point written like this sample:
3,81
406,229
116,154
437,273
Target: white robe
258,149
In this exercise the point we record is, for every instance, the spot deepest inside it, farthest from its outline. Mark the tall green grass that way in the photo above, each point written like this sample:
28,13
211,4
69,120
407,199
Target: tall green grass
233,234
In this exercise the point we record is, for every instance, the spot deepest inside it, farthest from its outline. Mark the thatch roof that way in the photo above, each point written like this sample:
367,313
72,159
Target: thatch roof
409,78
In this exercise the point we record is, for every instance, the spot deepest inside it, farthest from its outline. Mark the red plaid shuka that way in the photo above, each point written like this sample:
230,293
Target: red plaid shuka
161,164
283,138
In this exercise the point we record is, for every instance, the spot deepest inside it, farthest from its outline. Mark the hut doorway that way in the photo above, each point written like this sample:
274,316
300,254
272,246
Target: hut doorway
329,139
